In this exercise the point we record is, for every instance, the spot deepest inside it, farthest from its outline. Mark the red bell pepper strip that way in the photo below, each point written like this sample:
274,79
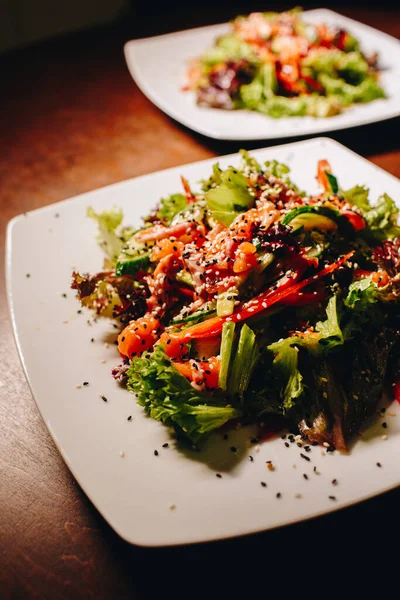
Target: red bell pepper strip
355,219
190,197
396,391
323,167
213,327
303,298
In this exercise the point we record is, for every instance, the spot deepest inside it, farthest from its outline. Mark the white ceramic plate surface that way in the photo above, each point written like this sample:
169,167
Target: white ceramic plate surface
158,65
134,492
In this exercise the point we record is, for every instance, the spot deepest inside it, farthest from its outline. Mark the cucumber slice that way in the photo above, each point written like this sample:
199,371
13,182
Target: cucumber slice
226,303
228,332
313,217
185,277
199,315
132,265
134,256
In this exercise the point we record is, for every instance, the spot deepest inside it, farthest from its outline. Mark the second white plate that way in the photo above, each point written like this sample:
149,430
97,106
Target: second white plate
158,65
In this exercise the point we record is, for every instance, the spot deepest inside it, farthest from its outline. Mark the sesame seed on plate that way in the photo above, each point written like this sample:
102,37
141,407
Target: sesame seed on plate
384,437
122,454
78,386
172,507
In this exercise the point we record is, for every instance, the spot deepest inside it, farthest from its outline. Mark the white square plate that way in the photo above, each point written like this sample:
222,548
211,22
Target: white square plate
134,492
158,65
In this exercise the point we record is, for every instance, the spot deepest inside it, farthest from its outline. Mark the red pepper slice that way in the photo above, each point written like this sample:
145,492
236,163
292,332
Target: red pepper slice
284,289
355,219
324,167
396,391
188,192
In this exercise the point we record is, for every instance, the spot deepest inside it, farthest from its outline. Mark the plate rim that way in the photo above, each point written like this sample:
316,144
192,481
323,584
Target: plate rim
104,511
215,134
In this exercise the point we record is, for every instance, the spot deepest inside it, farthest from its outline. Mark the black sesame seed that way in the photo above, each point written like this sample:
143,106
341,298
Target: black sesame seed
384,425
332,497
57,215
305,457
103,398
287,445
279,495
305,476
166,445
85,383
299,445
378,464
92,339
130,418
255,440
218,475
291,440
155,452
28,275
283,436
314,443
251,458
307,448
64,295
225,436
263,483
233,449
79,312
334,481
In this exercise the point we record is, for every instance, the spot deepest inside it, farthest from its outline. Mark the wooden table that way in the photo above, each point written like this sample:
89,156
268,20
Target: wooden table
73,120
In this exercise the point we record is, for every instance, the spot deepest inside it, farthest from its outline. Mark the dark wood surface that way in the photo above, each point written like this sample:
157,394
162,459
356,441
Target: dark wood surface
73,120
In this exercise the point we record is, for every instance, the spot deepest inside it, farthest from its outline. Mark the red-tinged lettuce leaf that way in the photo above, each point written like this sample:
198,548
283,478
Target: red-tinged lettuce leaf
110,295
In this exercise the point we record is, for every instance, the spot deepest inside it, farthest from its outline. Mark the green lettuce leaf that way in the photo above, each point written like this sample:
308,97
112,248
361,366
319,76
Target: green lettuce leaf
382,218
110,236
170,207
357,196
168,397
228,47
285,369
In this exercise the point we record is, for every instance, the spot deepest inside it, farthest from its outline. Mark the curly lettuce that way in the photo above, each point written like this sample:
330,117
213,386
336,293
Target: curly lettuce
167,396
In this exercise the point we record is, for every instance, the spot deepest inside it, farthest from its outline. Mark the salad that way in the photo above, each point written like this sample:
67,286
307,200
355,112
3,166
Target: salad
277,64
250,300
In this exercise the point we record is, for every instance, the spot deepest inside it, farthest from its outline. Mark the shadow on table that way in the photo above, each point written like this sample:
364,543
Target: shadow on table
366,140
307,558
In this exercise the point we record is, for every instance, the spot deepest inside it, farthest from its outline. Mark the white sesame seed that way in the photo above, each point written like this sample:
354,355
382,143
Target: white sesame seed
323,379
103,361
106,344
78,386
122,454
298,496
323,453
172,507
385,437
355,396
65,321
391,414
294,466
325,395
257,449
326,444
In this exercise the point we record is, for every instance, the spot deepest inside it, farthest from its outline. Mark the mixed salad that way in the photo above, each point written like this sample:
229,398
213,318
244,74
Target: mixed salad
277,64
250,299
